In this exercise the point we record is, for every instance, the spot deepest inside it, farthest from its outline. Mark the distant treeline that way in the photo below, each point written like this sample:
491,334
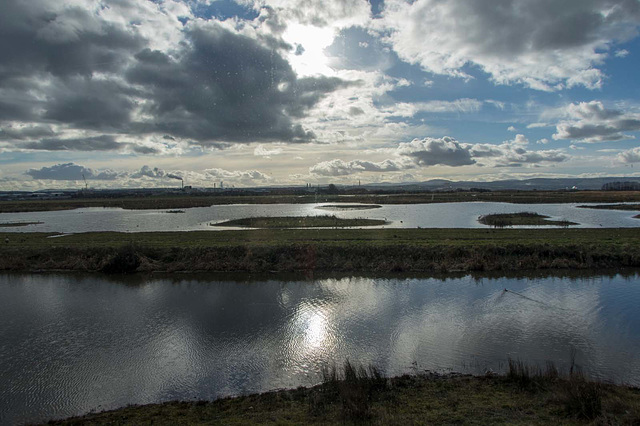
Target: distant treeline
621,186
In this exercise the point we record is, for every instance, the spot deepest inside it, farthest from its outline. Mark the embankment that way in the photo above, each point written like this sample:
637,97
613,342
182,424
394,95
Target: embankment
387,250
182,201
365,398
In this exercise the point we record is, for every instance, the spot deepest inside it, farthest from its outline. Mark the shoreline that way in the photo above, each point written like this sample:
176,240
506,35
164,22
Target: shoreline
519,397
324,250
185,201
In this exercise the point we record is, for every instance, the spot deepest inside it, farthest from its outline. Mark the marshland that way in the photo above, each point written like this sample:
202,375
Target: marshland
411,292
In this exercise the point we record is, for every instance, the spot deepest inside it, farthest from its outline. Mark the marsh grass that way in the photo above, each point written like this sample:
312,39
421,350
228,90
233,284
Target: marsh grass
580,397
345,250
353,387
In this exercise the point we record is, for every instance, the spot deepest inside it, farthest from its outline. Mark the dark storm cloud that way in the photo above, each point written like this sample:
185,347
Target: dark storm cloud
21,133
70,171
90,104
98,143
37,38
72,67
226,87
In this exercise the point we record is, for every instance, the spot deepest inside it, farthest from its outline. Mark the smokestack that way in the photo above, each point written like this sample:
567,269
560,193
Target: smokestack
181,184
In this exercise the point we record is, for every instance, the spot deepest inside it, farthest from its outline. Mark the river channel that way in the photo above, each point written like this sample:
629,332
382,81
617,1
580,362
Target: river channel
72,343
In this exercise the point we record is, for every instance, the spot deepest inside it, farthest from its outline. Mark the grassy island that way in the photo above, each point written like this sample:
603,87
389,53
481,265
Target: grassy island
349,206
502,220
524,396
631,207
334,250
300,222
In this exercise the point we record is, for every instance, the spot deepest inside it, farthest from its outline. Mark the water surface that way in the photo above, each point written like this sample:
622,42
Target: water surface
74,343
441,215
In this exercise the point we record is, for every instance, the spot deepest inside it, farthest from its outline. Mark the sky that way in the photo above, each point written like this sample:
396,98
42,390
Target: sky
142,93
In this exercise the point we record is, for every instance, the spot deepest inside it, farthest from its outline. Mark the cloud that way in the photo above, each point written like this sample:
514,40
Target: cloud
514,153
622,53
245,177
542,44
18,132
593,122
74,172
261,151
136,70
629,156
537,125
430,152
320,13
339,167
444,151
70,171
244,92
512,129
97,143
154,173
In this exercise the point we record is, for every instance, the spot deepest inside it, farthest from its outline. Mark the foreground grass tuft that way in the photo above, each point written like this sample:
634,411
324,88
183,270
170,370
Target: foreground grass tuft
355,387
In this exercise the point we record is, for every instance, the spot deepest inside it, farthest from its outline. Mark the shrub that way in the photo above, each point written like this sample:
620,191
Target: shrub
126,260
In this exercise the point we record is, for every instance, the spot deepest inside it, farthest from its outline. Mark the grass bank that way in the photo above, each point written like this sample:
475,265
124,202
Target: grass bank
300,222
632,207
186,201
354,394
502,220
348,250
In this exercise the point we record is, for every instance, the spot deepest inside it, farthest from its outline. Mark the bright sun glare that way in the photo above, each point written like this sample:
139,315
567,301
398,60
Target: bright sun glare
314,40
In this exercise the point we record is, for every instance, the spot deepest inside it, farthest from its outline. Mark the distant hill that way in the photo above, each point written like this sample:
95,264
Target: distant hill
539,184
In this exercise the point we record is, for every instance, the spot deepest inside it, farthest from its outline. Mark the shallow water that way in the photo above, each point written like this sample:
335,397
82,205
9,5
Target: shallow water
73,343
444,215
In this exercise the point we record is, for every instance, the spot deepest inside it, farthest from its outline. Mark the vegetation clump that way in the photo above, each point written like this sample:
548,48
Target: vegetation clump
300,222
502,220
126,260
